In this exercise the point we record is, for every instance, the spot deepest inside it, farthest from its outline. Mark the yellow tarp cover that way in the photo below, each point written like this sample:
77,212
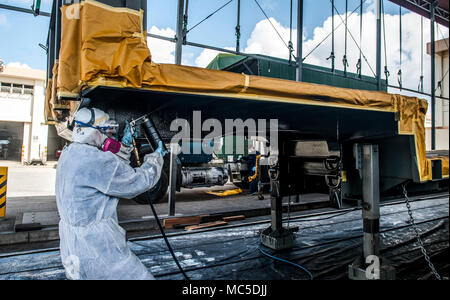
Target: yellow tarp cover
108,46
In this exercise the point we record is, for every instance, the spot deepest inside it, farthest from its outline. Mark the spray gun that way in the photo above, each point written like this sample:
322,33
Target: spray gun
153,137
150,132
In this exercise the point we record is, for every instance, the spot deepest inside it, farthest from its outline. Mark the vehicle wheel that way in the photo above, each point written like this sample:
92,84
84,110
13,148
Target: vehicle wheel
158,192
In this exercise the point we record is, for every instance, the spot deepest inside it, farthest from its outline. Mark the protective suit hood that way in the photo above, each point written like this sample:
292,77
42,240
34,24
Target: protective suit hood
88,135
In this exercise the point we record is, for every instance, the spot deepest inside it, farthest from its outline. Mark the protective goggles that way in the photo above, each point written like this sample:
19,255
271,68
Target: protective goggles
102,128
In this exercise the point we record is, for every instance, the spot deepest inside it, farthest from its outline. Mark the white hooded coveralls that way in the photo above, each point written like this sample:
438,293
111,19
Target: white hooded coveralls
88,185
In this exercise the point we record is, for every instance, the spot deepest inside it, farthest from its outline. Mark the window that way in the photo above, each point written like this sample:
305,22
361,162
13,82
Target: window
17,88
28,89
5,87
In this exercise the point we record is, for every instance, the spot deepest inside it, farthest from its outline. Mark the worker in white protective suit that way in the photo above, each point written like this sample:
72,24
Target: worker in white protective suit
89,183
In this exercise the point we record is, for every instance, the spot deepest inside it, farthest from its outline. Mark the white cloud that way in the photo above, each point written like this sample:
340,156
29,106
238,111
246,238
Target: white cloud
371,6
264,40
162,51
17,64
207,56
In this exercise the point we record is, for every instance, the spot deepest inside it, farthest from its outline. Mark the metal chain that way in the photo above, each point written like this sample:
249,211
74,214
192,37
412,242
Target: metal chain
419,239
289,209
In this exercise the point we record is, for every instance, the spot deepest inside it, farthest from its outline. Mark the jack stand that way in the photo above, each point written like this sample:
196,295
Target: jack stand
277,240
277,237
370,265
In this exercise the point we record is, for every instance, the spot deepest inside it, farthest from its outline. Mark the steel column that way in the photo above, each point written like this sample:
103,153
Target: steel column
144,8
332,36
238,26
179,43
378,50
172,179
370,265
299,40
371,200
433,77
58,28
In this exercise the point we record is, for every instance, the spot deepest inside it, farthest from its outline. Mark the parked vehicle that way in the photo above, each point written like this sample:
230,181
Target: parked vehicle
5,141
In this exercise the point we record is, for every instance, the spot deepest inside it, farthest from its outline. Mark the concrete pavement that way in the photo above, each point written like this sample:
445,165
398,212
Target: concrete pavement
30,181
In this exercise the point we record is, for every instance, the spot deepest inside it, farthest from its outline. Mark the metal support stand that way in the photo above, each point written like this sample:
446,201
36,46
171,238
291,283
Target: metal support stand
172,180
276,236
370,265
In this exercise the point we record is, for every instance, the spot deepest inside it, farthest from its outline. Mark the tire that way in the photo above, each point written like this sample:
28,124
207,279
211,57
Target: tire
157,193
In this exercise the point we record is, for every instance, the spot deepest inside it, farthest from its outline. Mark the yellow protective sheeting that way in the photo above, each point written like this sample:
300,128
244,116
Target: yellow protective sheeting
48,116
225,193
52,105
103,42
445,165
107,46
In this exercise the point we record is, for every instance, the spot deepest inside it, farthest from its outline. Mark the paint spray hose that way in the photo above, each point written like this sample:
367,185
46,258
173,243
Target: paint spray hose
154,138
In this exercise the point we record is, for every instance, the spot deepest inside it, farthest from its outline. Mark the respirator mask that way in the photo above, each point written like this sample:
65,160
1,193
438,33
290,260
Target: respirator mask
105,141
109,143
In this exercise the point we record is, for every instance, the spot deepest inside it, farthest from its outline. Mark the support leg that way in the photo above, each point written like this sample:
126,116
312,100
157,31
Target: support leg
370,265
276,236
172,180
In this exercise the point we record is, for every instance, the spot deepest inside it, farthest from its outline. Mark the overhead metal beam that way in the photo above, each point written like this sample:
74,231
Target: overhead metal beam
198,45
24,10
238,53
161,37
423,8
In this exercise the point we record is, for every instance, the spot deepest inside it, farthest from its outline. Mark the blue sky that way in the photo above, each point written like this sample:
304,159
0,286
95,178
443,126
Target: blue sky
219,30
21,33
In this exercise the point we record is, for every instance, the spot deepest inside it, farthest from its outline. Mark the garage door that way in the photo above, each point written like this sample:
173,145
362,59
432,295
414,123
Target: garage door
13,132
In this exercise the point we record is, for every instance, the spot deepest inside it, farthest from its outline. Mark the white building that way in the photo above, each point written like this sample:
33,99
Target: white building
22,93
442,89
